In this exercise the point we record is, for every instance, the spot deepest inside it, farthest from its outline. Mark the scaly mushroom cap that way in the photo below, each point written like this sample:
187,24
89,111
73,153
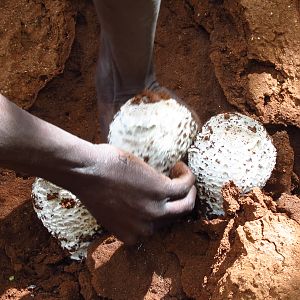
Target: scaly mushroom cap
155,128
65,217
234,147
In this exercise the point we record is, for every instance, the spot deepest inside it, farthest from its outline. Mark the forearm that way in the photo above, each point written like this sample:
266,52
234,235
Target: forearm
39,148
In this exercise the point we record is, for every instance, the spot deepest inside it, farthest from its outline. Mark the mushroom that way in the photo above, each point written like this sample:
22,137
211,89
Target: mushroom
230,147
65,217
154,127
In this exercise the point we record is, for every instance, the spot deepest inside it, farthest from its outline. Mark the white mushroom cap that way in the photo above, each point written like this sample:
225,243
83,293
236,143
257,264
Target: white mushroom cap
159,132
65,217
234,147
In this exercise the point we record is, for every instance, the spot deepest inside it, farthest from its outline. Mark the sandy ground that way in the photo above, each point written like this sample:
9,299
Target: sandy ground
203,52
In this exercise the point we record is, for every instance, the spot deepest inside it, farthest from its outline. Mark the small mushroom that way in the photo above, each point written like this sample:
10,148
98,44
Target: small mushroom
230,147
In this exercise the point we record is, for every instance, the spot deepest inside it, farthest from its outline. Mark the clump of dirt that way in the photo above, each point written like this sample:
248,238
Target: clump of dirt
281,178
144,272
255,50
254,251
259,253
36,39
290,204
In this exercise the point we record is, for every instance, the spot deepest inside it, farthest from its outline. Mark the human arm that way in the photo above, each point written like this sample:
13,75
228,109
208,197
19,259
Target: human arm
121,191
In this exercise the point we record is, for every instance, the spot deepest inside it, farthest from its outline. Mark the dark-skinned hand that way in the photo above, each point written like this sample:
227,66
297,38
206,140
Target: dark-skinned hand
128,197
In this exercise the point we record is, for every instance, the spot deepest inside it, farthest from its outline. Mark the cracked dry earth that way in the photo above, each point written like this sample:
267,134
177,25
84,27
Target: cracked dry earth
257,233
255,50
218,56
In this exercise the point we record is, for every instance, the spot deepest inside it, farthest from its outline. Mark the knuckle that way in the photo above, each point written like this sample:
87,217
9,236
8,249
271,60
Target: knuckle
185,188
166,188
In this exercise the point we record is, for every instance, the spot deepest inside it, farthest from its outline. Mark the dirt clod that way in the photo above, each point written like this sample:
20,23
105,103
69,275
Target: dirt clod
255,50
36,39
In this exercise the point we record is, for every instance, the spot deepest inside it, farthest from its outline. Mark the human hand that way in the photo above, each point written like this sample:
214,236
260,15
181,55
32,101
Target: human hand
127,196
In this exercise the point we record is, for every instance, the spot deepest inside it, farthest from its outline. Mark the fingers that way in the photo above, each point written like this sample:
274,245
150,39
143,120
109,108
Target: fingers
180,207
181,182
132,230
179,195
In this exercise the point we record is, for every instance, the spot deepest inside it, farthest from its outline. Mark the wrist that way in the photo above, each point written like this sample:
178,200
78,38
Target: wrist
84,165
68,165
38,148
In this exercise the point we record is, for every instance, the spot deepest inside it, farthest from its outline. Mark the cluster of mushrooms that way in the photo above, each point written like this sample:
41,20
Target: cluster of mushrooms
161,131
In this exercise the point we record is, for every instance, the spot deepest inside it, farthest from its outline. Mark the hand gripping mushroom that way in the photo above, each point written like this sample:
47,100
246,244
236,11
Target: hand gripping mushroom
234,147
152,126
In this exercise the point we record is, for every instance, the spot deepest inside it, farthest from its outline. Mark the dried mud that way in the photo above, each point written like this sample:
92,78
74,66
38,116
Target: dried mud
255,50
204,49
36,39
